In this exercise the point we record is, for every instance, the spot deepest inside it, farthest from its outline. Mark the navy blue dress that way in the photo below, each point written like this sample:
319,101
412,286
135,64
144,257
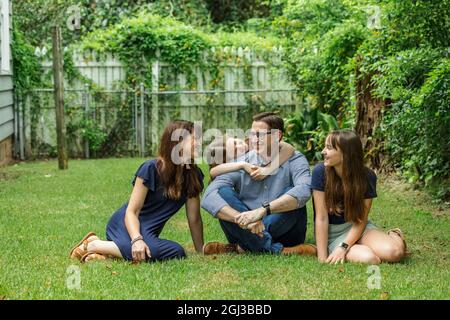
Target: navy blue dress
156,211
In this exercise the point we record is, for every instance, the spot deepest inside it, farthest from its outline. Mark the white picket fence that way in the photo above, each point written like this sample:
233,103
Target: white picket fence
107,72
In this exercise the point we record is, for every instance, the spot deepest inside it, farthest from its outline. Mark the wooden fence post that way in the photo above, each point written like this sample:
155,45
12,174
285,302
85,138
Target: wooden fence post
58,76
142,141
21,129
86,116
136,121
155,107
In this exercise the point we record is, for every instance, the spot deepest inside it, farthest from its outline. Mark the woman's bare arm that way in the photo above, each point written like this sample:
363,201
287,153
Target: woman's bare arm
139,250
230,167
358,228
286,152
195,222
321,225
134,208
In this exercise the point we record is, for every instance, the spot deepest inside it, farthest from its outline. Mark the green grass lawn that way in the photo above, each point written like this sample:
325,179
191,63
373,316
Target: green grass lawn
43,212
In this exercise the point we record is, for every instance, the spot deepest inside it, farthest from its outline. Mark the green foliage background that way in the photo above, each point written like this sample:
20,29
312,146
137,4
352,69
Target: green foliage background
325,41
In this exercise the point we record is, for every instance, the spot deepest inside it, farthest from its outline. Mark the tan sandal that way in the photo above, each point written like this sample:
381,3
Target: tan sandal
92,257
76,252
399,233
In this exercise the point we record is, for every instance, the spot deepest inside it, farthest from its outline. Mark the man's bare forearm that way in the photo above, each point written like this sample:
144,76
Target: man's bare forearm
227,213
284,203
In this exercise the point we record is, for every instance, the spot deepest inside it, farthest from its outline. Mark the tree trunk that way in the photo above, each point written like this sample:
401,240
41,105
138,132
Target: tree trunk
58,75
368,118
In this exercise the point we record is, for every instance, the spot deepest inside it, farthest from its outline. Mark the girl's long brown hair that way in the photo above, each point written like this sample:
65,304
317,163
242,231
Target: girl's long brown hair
353,184
177,179
214,150
219,148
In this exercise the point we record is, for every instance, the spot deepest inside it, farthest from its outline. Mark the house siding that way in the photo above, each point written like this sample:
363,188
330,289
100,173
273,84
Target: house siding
6,111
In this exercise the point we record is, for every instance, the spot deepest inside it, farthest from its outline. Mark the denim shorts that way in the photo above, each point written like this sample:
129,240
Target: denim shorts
337,233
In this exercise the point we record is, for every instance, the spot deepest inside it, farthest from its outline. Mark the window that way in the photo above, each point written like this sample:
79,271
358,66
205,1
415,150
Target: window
5,37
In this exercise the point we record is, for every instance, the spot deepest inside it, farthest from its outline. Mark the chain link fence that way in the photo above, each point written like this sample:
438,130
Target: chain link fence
111,123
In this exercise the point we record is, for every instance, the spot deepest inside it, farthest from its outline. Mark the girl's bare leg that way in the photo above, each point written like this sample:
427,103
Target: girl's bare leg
389,248
107,248
362,254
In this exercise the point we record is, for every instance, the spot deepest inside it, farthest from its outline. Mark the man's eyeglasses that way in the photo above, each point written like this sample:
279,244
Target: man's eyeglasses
259,134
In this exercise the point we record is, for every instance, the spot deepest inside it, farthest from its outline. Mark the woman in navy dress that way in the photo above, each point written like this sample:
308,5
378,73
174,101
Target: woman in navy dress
160,189
343,189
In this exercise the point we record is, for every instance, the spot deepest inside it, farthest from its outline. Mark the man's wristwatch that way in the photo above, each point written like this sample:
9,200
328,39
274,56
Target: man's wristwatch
266,205
344,246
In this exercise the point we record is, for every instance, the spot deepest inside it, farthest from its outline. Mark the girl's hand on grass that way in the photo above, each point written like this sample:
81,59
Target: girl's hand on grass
140,250
337,256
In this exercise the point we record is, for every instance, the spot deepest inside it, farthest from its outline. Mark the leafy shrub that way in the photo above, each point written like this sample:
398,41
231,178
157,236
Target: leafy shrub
400,75
417,132
138,40
27,70
322,69
308,130
36,17
309,19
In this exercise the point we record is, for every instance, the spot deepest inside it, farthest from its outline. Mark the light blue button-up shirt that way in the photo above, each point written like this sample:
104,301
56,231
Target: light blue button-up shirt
294,175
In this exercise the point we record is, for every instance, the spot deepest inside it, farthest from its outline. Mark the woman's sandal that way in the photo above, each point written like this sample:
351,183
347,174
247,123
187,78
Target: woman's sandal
92,256
399,233
77,252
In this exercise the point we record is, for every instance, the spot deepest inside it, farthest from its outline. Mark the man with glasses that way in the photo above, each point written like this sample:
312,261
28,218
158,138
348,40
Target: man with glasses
267,216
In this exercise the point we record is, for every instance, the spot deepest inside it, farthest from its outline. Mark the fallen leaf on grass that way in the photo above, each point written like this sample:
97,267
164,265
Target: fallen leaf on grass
385,296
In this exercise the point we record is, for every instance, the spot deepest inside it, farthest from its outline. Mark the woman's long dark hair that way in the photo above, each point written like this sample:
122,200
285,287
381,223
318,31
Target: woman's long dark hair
177,179
352,185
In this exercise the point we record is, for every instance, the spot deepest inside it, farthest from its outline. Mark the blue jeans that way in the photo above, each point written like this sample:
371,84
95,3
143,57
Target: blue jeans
281,229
